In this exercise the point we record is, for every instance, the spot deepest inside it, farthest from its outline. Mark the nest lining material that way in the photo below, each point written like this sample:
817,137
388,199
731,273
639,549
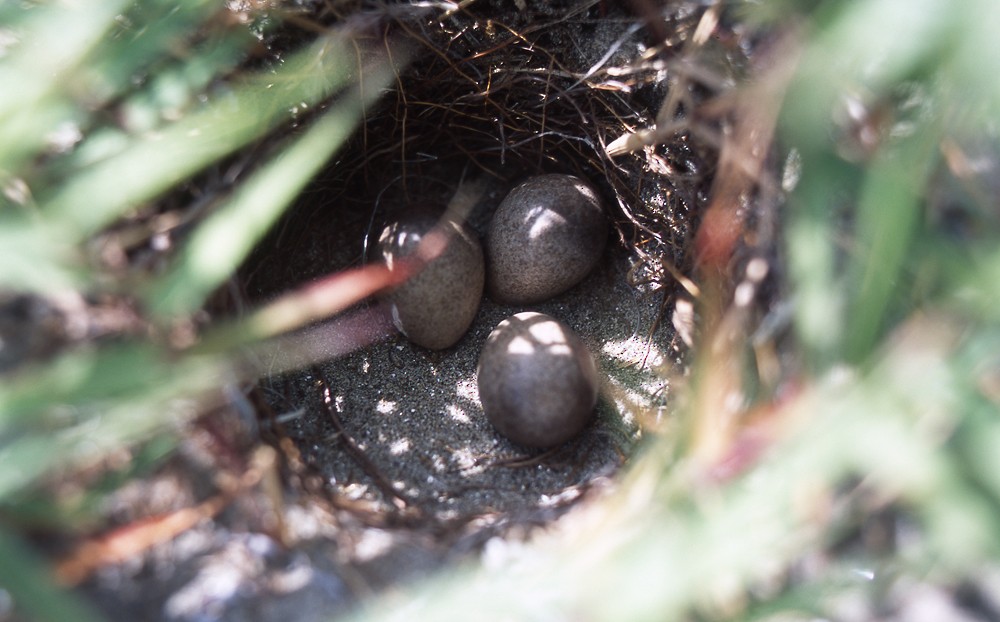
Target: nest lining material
509,93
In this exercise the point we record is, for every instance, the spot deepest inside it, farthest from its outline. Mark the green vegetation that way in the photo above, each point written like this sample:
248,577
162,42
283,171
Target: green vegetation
147,95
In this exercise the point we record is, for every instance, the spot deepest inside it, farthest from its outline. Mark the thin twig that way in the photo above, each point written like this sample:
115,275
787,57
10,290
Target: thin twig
359,455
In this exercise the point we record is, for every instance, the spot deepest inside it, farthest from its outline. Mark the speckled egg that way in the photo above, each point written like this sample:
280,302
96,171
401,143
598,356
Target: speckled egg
537,381
435,306
545,237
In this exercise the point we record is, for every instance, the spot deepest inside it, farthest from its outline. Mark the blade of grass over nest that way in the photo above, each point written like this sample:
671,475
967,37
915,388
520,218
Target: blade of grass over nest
977,56
85,510
888,213
315,301
973,279
853,53
174,91
54,40
149,36
850,54
78,377
222,242
812,266
29,582
979,434
88,403
35,258
157,63
157,161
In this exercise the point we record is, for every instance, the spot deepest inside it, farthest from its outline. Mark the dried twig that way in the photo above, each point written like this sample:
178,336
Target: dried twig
370,468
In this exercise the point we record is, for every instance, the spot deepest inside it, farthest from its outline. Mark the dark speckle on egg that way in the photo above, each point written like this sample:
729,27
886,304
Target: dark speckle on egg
435,306
545,237
537,381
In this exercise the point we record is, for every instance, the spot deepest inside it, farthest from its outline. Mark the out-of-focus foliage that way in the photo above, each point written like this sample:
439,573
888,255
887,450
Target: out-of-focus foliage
106,108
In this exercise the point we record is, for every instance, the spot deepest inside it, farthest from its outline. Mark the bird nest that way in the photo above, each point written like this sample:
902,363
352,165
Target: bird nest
493,92
504,90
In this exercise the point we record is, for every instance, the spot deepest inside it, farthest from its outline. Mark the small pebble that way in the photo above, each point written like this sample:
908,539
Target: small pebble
436,306
545,237
537,381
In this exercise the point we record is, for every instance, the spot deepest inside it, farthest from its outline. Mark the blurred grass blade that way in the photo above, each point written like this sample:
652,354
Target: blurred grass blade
55,40
849,55
969,74
223,241
888,214
148,34
317,300
97,196
82,377
34,509
34,257
854,51
175,90
29,583
153,67
88,403
973,279
648,553
812,251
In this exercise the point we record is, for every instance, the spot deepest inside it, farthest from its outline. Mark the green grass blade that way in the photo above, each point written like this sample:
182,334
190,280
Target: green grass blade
78,378
55,40
854,52
973,280
159,160
36,258
223,241
643,555
88,403
175,90
969,74
888,214
149,36
29,582
850,54
813,256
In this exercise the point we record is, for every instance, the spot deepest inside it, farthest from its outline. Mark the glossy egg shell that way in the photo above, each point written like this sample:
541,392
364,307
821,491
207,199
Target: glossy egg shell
545,237
538,382
434,307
